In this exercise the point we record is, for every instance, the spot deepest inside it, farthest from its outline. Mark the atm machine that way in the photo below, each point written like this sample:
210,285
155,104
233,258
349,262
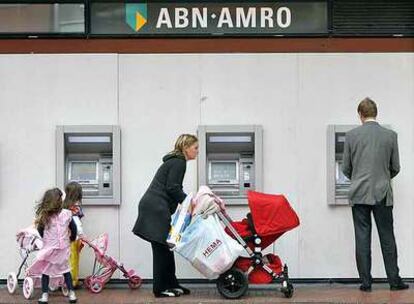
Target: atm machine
230,160
337,183
90,155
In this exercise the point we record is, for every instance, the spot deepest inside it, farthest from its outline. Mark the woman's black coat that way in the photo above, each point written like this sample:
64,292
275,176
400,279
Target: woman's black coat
161,199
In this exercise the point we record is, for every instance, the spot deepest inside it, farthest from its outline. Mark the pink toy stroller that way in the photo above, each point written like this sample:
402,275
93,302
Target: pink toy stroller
30,241
104,267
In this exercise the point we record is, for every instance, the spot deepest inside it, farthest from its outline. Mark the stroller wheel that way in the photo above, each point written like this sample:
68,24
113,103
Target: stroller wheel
87,281
11,282
65,291
287,289
96,285
28,287
232,284
134,282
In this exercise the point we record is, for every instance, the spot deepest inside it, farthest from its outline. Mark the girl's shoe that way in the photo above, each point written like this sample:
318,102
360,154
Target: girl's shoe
167,293
44,299
72,297
182,290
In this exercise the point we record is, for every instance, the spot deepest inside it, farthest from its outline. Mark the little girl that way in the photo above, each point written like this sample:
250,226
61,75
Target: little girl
57,229
73,202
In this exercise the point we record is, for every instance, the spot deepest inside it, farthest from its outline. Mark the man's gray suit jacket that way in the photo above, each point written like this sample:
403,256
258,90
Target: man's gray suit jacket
371,160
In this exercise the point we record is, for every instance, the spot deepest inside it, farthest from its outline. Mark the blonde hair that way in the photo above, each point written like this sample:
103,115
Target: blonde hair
73,194
183,142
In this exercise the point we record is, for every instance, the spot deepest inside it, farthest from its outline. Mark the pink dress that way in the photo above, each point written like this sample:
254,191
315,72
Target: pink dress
53,258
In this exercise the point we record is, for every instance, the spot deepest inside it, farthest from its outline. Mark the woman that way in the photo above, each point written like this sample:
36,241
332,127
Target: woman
154,214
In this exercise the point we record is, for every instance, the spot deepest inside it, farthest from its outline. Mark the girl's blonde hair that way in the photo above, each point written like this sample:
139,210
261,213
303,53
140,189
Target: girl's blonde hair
73,192
183,142
50,205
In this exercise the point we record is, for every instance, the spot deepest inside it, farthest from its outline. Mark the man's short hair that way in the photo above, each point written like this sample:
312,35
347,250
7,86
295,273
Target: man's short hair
367,108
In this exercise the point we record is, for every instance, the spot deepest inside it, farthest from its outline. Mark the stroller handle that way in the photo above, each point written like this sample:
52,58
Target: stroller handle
94,247
225,218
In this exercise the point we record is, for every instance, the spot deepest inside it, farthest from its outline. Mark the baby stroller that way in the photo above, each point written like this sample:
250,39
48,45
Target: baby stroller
30,241
104,267
269,218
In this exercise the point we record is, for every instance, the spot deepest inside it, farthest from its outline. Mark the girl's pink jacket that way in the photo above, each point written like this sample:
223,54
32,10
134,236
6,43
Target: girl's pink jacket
53,258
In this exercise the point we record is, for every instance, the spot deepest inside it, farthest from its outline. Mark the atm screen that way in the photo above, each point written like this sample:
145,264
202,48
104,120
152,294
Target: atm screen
223,172
339,142
83,171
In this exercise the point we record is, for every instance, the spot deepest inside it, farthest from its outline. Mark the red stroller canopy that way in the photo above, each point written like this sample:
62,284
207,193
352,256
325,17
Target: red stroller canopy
272,214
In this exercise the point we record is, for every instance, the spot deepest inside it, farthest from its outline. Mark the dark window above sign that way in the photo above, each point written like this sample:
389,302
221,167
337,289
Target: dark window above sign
364,17
42,18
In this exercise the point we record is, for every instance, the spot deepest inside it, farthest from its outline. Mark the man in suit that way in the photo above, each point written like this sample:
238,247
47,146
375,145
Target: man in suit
371,160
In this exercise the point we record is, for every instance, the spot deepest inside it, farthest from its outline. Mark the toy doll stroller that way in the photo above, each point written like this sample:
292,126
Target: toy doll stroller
104,267
269,218
30,241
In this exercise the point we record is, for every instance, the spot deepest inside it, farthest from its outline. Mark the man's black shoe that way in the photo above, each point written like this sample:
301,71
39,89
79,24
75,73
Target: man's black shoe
400,286
365,288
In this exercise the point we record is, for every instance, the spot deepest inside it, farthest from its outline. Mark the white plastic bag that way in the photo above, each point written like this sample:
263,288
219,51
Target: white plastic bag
179,221
208,247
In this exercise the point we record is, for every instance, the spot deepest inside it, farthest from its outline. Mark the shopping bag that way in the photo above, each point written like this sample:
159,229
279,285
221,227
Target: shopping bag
179,221
208,247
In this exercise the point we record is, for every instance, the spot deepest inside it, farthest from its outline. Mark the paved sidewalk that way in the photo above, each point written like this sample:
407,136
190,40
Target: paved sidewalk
207,293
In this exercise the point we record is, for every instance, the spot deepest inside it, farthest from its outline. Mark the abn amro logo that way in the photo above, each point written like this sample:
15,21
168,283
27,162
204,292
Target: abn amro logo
136,15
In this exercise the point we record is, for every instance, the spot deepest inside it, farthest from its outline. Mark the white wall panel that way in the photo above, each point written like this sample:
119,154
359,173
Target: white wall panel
38,92
159,100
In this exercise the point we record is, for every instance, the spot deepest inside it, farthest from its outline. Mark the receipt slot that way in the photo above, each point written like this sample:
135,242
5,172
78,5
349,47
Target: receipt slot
90,155
337,183
230,160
